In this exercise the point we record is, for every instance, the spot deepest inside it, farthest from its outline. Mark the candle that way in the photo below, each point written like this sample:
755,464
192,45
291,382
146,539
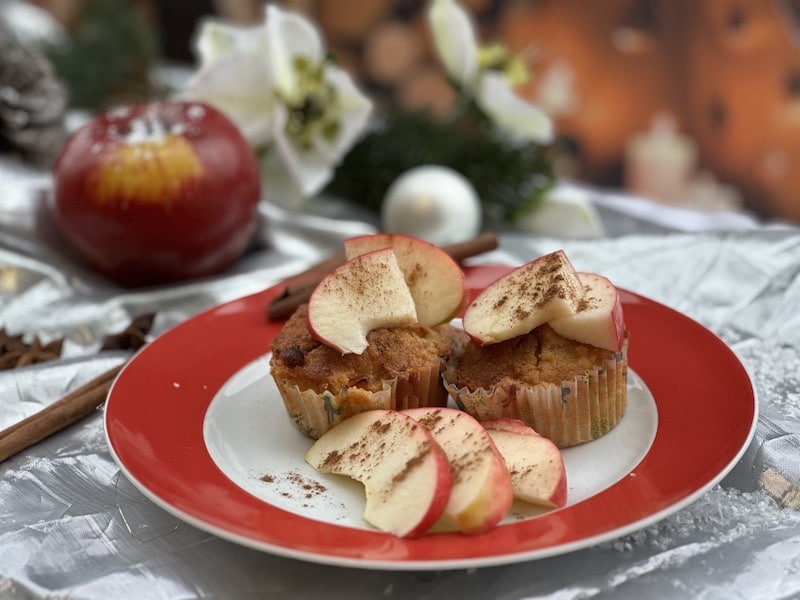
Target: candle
659,164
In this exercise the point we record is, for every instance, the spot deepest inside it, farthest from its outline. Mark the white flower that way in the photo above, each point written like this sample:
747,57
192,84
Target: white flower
321,112
233,78
487,74
454,39
298,111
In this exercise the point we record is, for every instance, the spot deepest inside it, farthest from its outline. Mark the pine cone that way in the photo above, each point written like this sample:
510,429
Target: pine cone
32,103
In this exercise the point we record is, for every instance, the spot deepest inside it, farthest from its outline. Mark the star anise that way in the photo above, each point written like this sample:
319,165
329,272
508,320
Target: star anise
39,353
10,342
133,337
15,353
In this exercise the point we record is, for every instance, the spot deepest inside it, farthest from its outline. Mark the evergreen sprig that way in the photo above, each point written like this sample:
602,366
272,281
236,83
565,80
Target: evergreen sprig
509,178
110,56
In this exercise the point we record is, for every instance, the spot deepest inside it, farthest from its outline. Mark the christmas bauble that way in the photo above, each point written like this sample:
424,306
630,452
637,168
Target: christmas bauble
433,203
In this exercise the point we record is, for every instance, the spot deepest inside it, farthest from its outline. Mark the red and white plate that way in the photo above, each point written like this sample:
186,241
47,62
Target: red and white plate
195,422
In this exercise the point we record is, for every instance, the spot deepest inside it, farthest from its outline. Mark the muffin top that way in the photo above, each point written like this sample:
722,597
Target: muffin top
298,356
541,356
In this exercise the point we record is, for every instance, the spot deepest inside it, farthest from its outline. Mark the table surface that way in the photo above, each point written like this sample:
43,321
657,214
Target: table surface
72,525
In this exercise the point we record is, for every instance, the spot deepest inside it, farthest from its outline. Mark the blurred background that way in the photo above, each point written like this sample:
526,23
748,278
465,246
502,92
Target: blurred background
686,102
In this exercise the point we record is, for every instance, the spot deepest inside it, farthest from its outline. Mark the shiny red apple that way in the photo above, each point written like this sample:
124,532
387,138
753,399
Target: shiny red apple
157,192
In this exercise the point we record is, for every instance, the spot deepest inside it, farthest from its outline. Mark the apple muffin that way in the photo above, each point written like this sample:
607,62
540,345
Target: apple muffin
568,391
548,345
320,386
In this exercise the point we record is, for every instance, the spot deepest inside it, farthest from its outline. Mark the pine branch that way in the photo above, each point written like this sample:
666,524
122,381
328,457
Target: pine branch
509,179
110,57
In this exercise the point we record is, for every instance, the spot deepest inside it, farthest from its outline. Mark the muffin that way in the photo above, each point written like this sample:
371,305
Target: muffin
400,368
548,345
568,391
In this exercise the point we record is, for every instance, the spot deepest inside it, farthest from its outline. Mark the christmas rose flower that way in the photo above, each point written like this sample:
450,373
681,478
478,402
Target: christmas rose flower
487,74
299,111
233,77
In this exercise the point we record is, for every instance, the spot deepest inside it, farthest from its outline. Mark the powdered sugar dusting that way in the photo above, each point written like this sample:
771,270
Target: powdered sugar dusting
195,111
148,128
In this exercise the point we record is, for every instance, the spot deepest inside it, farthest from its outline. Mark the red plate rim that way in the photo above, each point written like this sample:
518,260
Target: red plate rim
154,415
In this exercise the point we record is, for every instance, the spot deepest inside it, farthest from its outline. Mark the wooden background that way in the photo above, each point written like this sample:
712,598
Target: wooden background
727,71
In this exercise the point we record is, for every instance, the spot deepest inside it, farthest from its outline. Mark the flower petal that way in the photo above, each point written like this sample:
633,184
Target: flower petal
310,169
290,36
565,211
354,110
278,186
522,120
237,85
216,39
455,41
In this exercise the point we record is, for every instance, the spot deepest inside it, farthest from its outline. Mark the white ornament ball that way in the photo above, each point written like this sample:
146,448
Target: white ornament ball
433,203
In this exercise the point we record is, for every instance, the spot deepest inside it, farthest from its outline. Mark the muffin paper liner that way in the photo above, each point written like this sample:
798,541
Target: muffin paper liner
577,411
314,413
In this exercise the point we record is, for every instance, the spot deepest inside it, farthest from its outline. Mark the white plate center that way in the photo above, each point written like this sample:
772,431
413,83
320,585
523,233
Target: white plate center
252,440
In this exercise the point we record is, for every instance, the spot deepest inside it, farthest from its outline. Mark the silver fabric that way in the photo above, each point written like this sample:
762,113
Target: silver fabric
72,526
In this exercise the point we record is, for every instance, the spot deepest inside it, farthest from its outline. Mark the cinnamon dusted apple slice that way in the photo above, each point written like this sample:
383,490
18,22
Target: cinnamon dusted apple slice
537,292
535,463
481,494
365,293
599,320
405,473
434,278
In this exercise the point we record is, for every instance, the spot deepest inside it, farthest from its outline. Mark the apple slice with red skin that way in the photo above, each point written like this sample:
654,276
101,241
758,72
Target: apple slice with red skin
599,320
537,292
365,293
482,493
538,475
406,475
436,281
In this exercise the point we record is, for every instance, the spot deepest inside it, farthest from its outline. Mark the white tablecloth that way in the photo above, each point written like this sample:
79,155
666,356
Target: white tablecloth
71,525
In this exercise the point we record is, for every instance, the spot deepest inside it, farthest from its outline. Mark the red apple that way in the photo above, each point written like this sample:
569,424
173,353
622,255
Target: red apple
157,192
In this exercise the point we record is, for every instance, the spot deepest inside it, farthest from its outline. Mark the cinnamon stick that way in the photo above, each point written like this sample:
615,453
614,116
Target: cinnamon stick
58,415
298,289
469,248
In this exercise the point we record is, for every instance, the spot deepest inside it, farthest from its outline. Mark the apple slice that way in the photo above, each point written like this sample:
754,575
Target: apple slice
434,278
363,294
537,292
535,463
481,494
599,320
405,473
